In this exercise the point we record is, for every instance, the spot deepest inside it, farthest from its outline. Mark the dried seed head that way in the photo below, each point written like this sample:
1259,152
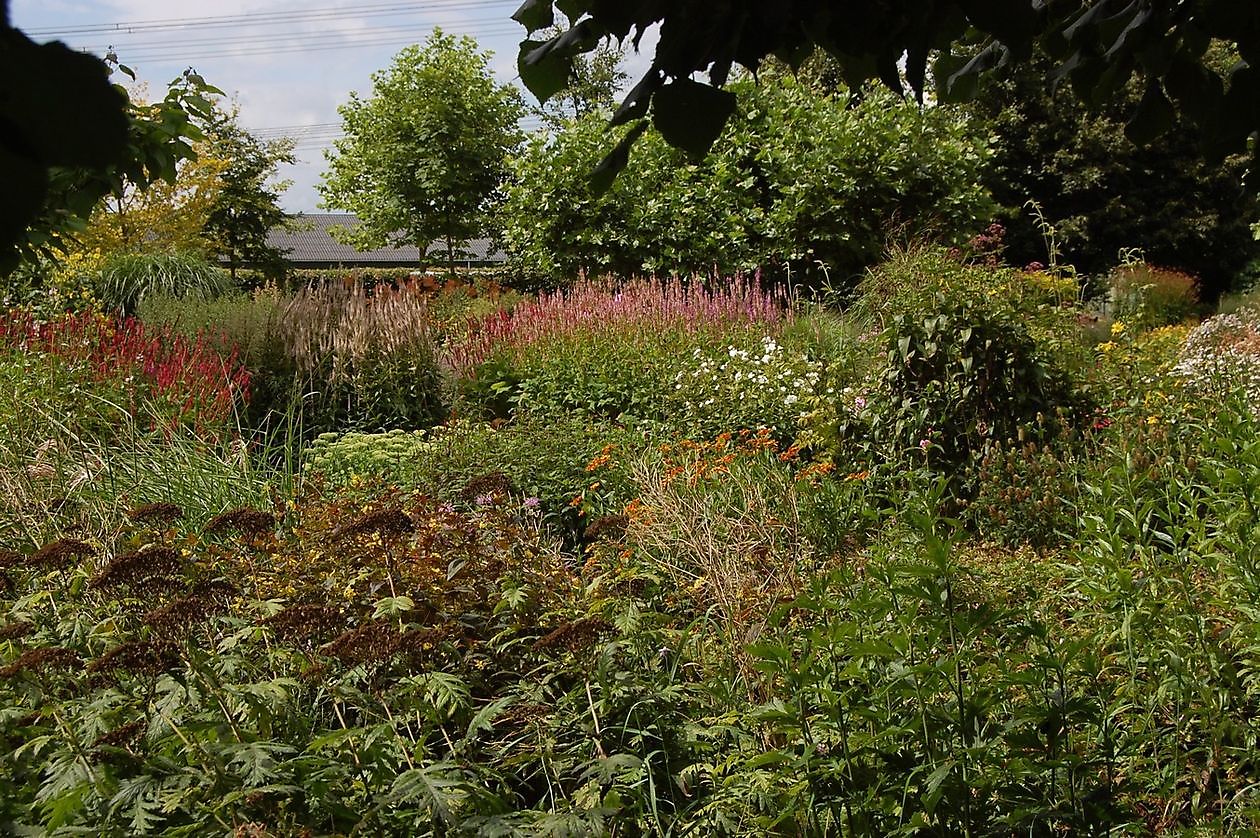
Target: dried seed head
9,558
142,565
16,630
385,522
123,736
155,513
139,657
242,520
494,484
300,622
373,641
607,527
218,590
519,715
58,553
39,660
574,636
7,587
180,615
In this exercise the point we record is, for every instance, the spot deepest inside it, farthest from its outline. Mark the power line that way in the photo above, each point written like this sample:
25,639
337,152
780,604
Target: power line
221,38
308,45
266,18
312,42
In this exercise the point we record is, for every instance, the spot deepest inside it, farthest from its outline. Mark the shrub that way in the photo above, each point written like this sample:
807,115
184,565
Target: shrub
548,459
1147,297
797,179
972,356
196,381
728,389
599,348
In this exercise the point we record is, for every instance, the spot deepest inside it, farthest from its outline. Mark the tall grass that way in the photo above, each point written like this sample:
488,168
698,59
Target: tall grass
128,278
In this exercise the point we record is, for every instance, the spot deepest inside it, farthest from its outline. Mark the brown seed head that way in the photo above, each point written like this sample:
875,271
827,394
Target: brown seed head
299,622
58,553
140,657
138,566
155,513
373,641
39,660
180,615
386,522
123,736
496,483
16,630
574,636
242,520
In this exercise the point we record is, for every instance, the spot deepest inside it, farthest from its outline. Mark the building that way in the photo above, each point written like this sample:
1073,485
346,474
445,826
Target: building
307,243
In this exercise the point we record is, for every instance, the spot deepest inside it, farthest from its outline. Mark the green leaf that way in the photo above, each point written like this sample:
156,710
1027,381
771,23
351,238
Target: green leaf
1153,116
691,115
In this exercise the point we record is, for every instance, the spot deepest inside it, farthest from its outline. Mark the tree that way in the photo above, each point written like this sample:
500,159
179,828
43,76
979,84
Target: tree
798,179
165,215
425,155
247,205
1095,45
1101,192
66,114
69,137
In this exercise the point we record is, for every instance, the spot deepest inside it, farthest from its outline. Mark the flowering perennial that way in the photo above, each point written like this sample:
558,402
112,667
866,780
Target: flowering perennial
593,308
1223,353
200,379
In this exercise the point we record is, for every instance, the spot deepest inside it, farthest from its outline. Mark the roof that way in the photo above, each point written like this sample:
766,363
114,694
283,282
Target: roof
308,243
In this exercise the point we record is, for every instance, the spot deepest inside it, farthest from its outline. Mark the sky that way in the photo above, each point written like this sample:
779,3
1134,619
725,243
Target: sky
288,64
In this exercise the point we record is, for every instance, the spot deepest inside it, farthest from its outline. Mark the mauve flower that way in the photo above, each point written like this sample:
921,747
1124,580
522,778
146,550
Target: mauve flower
924,443
485,500
531,503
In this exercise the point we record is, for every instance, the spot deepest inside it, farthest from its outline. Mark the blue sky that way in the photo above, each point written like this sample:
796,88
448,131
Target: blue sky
288,64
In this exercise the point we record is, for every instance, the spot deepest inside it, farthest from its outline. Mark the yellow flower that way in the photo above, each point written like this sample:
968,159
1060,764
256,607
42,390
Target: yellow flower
1152,420
1106,347
1117,328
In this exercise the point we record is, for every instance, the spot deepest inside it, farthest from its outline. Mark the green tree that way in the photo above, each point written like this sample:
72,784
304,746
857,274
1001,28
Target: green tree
247,205
1101,191
798,179
424,157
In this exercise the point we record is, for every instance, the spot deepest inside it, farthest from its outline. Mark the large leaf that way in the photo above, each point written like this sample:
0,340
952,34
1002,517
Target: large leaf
690,115
535,15
1153,116
544,70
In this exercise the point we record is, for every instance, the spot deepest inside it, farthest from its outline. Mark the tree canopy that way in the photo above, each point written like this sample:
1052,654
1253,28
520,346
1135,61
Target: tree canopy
799,183
1096,47
426,153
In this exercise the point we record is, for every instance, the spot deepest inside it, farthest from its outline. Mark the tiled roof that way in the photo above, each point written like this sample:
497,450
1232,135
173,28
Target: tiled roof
309,243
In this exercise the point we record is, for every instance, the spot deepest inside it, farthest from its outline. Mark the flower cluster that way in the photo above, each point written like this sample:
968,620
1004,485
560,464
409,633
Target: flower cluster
733,388
1223,354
